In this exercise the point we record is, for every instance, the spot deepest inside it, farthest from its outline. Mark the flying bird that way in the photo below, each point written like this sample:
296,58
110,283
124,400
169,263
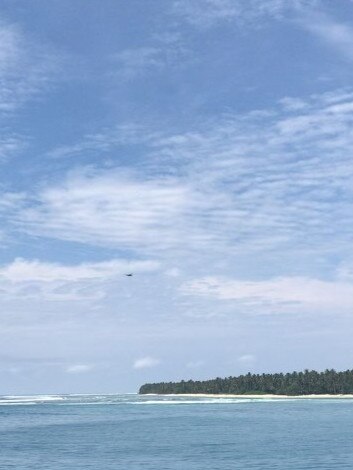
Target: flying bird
129,274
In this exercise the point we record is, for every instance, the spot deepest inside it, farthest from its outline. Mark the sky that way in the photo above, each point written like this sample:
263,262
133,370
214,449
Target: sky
204,146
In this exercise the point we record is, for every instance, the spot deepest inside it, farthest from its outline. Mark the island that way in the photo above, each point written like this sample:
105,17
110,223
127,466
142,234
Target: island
308,382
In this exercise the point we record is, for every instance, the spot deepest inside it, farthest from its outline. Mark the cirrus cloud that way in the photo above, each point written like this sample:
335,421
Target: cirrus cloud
277,295
264,180
207,13
53,281
26,67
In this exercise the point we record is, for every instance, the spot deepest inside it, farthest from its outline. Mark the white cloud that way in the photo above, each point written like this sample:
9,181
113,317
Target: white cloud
26,68
266,180
118,209
166,49
79,368
10,145
146,362
11,201
53,281
206,13
278,295
27,270
293,104
106,141
338,36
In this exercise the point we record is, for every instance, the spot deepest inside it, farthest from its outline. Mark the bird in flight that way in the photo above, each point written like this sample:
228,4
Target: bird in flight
129,274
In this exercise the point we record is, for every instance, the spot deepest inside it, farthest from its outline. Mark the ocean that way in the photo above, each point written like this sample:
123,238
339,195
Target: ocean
131,432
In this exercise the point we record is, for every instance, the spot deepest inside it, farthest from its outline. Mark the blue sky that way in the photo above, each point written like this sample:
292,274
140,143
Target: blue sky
205,146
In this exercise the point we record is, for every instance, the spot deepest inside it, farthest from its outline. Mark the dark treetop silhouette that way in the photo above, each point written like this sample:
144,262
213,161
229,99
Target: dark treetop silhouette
294,383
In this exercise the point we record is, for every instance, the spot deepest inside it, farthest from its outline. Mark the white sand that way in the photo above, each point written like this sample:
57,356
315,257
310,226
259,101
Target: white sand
210,395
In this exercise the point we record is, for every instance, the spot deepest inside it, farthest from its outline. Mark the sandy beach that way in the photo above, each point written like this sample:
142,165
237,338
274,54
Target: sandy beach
268,396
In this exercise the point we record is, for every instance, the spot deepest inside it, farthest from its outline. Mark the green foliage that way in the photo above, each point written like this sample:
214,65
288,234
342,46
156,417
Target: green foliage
295,383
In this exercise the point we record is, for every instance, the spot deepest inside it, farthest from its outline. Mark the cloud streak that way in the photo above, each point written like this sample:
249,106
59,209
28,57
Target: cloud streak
26,68
79,368
57,282
337,35
278,295
146,362
207,13
121,210
265,180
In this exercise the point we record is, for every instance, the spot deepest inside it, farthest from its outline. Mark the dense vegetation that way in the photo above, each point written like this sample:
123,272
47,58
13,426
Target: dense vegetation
295,383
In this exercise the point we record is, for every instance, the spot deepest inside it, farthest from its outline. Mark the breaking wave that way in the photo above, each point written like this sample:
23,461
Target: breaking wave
124,399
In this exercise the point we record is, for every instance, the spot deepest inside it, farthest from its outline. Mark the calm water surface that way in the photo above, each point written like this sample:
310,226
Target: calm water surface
163,433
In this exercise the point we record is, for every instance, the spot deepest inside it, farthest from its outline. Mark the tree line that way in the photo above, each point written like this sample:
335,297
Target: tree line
295,383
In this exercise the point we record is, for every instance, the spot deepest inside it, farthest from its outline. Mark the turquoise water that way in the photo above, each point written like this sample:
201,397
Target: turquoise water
168,433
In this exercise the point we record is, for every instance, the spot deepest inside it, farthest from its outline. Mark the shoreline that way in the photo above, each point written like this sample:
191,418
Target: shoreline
267,396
